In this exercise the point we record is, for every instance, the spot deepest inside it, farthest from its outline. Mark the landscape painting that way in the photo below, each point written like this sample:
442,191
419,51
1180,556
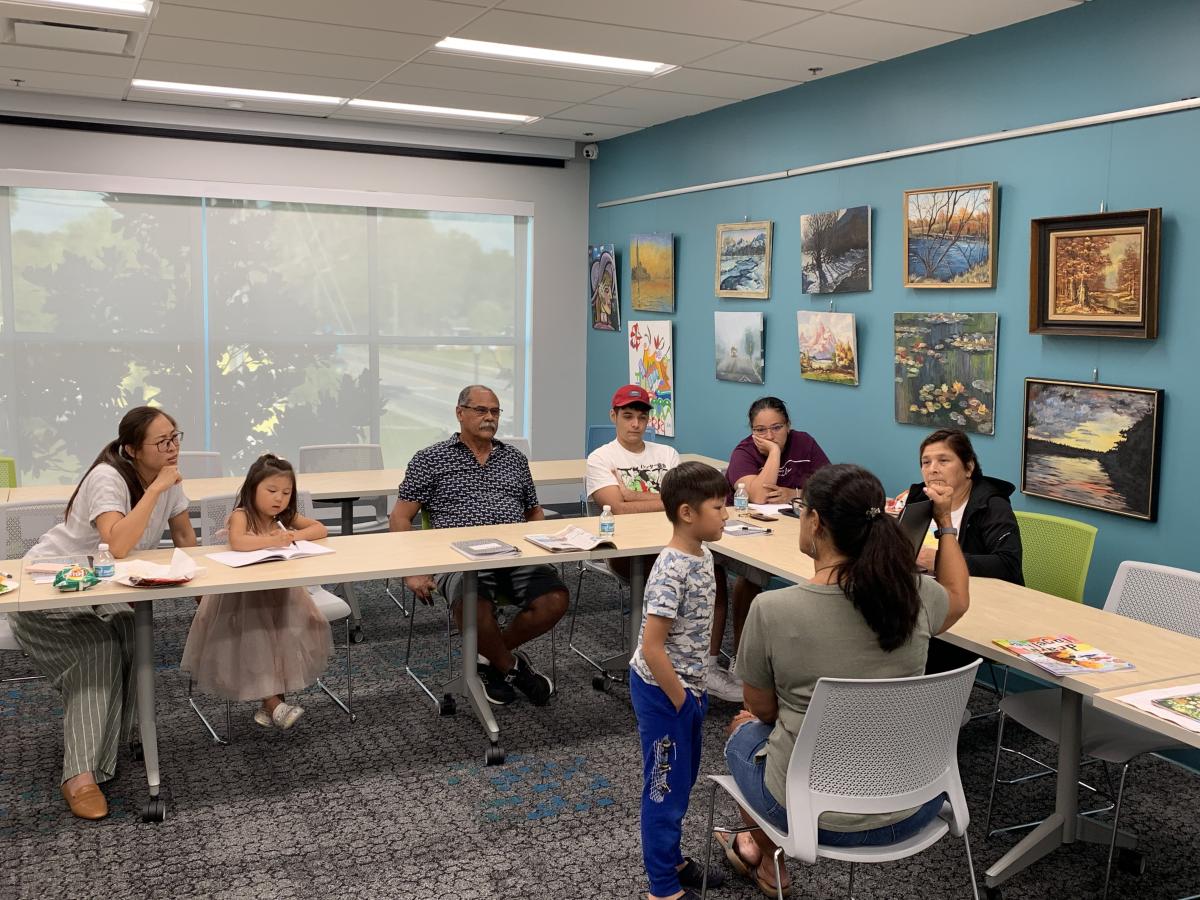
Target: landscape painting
602,278
835,251
651,365
828,347
1093,445
739,345
946,370
744,260
950,237
652,272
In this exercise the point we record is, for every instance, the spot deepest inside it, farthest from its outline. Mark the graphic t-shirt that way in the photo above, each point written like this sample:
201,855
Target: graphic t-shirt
681,587
641,473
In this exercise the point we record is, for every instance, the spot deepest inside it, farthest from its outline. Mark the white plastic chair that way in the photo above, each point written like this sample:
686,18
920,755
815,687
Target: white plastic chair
201,464
1158,595
870,746
214,514
21,526
347,458
520,443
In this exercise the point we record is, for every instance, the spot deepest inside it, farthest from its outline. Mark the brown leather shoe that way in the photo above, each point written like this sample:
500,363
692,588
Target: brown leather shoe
86,802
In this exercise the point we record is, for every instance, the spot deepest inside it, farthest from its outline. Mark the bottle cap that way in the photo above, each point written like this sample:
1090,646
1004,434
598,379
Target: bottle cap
607,509
104,546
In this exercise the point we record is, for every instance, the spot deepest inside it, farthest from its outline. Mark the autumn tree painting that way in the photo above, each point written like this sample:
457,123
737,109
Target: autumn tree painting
1096,273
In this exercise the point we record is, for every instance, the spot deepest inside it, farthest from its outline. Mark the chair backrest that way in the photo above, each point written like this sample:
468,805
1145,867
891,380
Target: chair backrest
340,457
201,464
1055,554
22,524
876,746
1158,595
521,443
8,472
214,519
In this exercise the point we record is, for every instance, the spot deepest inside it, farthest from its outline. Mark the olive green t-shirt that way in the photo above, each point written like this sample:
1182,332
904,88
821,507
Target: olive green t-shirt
799,634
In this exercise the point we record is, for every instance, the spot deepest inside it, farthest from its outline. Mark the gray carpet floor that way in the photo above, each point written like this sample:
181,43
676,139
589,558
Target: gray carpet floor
400,805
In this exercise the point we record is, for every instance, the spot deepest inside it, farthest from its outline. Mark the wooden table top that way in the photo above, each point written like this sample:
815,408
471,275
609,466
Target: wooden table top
1109,701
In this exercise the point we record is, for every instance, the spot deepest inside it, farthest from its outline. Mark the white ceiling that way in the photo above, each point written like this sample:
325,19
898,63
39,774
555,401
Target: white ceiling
727,50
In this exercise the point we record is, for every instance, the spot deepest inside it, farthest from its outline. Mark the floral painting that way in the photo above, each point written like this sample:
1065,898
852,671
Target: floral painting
651,365
602,279
828,347
946,370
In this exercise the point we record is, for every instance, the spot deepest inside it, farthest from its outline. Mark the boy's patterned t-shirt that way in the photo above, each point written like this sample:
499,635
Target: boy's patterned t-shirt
681,587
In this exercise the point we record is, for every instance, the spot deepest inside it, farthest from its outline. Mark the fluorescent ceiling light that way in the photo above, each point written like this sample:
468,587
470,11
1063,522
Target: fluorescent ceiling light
136,7
448,112
208,90
554,57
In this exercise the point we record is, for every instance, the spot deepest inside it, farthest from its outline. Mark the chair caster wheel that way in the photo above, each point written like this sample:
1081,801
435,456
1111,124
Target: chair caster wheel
356,634
448,706
994,893
136,751
155,810
1130,861
494,755
600,682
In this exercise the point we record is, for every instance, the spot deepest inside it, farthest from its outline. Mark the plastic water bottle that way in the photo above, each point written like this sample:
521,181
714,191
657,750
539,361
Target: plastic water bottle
103,564
741,498
608,523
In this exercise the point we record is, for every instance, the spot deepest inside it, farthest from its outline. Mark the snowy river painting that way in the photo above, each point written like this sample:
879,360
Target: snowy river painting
744,260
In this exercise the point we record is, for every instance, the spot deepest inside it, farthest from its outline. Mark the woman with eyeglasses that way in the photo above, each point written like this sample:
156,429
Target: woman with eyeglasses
772,463
127,498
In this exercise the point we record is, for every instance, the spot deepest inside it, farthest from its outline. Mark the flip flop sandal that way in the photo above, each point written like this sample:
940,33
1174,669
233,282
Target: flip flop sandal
728,843
765,886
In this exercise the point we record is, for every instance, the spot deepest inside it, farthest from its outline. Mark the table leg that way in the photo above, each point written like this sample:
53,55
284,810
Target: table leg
347,515
143,623
468,683
619,662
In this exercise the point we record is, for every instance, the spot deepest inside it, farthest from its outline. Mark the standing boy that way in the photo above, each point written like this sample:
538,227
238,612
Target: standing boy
667,673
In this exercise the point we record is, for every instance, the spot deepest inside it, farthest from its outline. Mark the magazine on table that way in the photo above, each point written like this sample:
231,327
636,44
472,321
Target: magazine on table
238,558
485,548
1178,704
570,540
1062,654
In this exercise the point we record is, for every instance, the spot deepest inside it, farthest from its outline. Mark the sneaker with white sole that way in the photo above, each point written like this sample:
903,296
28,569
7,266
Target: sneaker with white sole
722,683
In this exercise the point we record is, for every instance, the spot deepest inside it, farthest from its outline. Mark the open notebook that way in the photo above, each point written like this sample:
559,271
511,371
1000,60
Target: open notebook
236,559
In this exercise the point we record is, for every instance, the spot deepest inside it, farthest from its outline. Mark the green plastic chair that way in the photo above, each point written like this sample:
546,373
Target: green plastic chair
8,472
1056,554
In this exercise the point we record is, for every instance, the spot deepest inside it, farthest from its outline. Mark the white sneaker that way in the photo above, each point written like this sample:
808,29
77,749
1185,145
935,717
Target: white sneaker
722,683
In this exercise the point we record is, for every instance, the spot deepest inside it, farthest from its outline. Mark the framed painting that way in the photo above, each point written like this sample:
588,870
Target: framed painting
1093,445
828,347
950,237
744,260
946,370
602,282
652,365
1096,274
652,272
739,346
835,251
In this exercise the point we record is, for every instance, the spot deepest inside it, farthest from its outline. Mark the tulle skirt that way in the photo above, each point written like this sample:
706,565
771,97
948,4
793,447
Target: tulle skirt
255,644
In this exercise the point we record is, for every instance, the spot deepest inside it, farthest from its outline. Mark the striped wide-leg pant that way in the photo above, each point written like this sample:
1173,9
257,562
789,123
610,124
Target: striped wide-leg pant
87,653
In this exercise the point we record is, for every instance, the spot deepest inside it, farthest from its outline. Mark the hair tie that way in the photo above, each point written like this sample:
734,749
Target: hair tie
873,513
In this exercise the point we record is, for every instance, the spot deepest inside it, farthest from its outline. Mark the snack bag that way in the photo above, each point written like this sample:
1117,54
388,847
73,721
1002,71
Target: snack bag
75,578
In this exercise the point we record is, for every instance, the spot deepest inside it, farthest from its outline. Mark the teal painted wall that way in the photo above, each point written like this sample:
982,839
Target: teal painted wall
1102,56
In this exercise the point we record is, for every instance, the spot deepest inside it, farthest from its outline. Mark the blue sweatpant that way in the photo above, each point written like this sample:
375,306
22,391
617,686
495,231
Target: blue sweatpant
671,743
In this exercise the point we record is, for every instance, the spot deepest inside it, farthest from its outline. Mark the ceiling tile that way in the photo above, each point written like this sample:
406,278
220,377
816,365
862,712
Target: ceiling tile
965,16
609,40
611,115
188,73
64,83
566,73
412,16
402,93
865,38
265,59
65,61
451,78
735,20
662,103
717,84
778,62
263,31
579,131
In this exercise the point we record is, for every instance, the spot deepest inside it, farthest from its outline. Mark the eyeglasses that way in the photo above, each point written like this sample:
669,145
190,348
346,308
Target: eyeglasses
173,440
493,411
799,505
769,429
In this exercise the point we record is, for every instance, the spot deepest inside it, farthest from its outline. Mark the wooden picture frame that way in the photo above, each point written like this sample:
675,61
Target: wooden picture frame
1093,445
950,236
744,260
1096,275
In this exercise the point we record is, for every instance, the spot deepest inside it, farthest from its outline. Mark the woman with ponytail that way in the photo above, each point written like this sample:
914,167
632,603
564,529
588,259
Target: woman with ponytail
128,497
866,613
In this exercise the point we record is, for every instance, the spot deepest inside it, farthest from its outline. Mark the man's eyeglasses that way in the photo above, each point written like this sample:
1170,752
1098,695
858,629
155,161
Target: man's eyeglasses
799,505
769,429
493,411
173,440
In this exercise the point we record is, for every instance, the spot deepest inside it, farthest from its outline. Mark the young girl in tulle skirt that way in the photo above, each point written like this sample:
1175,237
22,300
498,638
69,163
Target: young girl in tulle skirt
261,644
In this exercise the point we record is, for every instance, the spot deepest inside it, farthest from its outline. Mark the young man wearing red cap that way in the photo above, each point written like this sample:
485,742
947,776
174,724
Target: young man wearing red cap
626,474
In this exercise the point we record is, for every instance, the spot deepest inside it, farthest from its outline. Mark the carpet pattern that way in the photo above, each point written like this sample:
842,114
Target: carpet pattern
399,804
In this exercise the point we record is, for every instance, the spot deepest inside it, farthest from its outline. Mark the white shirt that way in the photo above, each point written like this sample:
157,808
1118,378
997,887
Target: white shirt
104,490
641,473
955,522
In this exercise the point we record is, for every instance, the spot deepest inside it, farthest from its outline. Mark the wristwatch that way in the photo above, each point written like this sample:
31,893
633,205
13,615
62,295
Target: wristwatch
938,532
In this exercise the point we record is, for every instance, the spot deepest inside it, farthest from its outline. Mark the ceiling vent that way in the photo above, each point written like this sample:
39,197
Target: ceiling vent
69,37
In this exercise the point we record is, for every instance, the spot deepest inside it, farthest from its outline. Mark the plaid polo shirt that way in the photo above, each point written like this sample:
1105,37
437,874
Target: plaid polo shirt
456,491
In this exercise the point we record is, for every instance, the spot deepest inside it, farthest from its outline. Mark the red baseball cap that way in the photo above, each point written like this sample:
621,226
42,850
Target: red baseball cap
631,395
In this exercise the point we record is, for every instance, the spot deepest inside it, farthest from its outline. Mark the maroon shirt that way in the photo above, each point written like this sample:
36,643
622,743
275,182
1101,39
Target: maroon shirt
801,456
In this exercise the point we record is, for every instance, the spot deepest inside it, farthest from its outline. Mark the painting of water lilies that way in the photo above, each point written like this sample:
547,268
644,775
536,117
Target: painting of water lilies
744,260
946,370
950,237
